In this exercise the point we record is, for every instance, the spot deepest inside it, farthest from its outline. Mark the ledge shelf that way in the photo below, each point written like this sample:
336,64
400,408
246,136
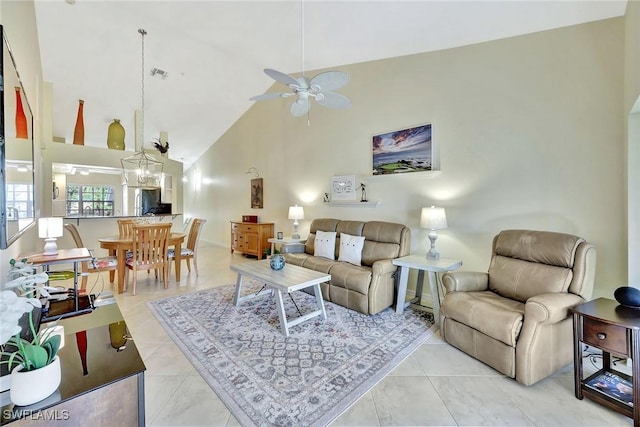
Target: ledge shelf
355,204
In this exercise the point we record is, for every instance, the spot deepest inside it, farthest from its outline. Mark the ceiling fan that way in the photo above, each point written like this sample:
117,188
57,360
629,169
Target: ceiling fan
320,87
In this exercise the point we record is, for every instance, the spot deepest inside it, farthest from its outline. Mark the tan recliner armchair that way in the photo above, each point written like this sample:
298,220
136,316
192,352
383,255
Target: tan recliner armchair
516,318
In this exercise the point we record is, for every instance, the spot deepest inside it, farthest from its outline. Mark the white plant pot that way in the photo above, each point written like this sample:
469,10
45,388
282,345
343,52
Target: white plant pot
33,386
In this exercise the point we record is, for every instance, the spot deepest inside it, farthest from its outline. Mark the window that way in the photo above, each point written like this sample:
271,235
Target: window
89,200
19,201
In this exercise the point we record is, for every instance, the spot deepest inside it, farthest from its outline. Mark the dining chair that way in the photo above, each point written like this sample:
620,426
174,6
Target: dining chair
191,250
100,264
149,251
125,229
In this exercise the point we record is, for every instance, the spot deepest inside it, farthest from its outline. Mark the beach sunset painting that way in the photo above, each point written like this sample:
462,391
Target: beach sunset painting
402,151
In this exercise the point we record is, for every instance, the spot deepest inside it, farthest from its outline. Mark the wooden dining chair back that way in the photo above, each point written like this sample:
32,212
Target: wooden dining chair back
125,228
149,251
191,251
109,263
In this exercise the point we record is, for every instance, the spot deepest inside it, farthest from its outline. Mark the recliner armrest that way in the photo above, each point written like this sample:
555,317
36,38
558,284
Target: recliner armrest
465,281
383,266
550,308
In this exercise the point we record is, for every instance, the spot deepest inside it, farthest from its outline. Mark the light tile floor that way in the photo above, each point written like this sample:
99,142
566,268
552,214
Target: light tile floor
436,386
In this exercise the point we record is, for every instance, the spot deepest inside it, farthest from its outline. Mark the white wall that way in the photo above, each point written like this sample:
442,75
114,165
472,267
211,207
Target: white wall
529,132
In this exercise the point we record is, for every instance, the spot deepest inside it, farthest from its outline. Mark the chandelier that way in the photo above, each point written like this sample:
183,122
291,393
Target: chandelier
142,170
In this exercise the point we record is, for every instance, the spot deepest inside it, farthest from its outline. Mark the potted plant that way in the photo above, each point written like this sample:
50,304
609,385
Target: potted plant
33,362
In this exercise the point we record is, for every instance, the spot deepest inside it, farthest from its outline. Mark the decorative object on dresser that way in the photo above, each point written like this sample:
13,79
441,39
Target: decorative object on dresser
78,130
615,330
516,317
251,238
249,218
295,213
50,229
433,218
368,287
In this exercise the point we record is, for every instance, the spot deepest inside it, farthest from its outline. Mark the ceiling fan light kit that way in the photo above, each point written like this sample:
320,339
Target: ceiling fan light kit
319,88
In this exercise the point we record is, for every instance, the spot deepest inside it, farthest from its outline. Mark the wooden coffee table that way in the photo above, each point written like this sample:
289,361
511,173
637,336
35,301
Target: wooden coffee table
291,278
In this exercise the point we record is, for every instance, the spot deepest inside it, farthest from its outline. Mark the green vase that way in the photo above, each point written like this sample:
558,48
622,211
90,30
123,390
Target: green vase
115,136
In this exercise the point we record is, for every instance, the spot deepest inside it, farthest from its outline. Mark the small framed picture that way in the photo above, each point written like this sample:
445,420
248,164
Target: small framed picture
256,193
279,235
343,187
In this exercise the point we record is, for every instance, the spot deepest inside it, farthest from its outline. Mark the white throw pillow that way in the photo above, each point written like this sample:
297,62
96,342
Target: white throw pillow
351,248
325,244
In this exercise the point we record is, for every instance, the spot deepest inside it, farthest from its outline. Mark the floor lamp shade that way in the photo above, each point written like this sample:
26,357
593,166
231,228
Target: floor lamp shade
50,229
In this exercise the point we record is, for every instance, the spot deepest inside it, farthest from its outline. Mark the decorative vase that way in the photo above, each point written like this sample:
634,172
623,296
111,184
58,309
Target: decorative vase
21,120
30,387
628,296
115,135
78,131
277,262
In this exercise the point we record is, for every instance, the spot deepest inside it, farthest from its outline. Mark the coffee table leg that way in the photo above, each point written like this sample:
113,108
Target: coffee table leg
317,291
281,313
236,299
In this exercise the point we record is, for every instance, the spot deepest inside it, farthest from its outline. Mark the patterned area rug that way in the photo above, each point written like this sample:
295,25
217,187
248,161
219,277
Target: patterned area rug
307,379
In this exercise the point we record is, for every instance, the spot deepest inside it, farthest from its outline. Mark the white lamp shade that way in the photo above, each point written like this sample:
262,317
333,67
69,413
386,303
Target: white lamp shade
50,227
296,212
433,218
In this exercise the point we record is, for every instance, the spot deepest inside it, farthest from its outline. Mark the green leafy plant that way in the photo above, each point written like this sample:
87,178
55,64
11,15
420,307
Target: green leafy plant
26,289
34,354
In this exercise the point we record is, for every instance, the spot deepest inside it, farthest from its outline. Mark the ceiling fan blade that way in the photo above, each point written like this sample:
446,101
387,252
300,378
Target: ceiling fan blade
333,100
300,107
266,96
281,77
330,80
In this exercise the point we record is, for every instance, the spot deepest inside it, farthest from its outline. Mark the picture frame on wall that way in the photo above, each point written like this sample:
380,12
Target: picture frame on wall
343,187
402,151
256,193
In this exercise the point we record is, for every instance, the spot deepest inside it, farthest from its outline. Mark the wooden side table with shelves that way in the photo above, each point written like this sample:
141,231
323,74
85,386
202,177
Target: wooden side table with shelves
614,329
251,238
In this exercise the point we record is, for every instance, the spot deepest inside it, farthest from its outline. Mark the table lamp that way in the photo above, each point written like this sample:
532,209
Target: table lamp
295,213
433,218
49,229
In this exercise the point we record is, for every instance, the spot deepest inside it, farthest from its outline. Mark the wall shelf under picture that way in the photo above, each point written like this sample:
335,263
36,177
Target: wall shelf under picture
355,204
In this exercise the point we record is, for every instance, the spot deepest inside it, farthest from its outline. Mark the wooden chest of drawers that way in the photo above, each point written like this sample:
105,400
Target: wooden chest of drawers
251,238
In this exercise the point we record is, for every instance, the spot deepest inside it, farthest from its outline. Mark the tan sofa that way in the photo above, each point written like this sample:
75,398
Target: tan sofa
516,317
368,288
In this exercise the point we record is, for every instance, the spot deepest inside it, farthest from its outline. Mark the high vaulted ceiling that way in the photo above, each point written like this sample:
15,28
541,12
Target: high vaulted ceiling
214,52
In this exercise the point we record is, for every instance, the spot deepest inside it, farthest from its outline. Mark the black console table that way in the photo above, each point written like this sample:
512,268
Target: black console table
102,376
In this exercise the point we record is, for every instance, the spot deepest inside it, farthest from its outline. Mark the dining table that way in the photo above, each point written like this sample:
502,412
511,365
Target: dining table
119,245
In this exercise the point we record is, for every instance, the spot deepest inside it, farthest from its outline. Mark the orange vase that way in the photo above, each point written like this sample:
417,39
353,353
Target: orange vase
78,132
21,119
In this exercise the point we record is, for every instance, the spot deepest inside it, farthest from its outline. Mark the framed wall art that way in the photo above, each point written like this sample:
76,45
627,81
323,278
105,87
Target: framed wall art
256,193
343,187
402,151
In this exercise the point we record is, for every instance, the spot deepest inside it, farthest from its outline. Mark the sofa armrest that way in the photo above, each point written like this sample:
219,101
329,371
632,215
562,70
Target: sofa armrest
465,281
550,308
383,266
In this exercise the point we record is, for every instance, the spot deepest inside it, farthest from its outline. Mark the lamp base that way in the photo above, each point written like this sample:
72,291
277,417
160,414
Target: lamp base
433,255
295,236
50,246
